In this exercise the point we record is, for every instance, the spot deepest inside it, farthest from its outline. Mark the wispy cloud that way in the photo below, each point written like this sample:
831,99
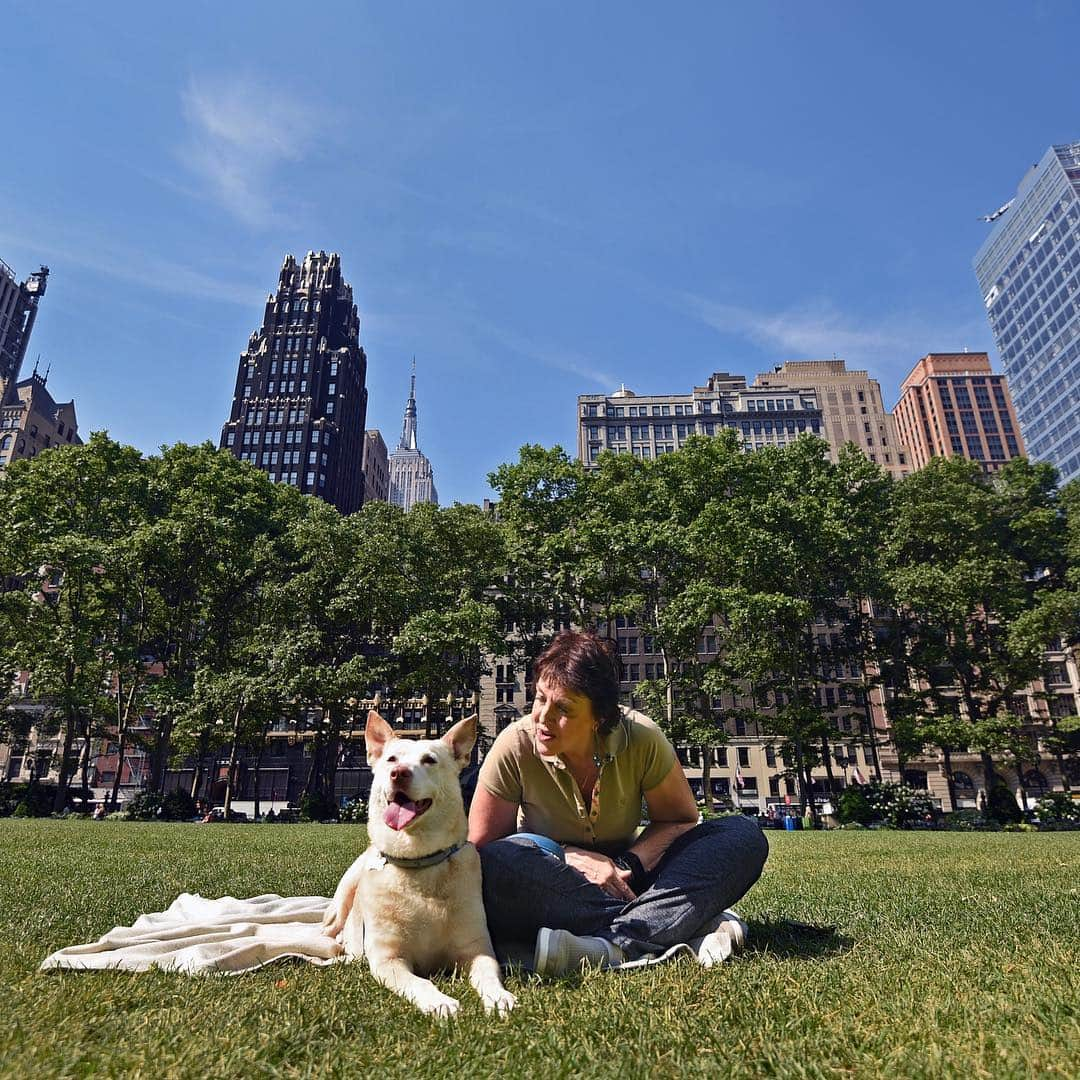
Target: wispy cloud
819,329
133,266
241,131
552,356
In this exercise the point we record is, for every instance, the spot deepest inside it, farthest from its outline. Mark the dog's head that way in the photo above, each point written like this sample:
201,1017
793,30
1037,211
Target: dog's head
415,806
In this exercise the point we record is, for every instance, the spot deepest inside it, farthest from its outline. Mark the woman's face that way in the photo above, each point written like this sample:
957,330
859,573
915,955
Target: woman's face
563,721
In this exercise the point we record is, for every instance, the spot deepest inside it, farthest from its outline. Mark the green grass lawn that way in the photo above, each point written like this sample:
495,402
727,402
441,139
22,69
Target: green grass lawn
955,955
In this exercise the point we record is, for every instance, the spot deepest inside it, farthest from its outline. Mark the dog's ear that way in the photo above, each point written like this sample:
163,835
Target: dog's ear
461,738
377,733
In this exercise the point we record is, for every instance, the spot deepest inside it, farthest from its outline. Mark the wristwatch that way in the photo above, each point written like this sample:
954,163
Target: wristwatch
629,861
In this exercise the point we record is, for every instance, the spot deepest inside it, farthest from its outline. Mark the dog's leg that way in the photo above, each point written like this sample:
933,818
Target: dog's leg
396,974
338,910
486,978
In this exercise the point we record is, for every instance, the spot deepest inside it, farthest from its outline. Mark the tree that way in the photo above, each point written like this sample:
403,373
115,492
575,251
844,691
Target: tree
967,561
207,543
67,517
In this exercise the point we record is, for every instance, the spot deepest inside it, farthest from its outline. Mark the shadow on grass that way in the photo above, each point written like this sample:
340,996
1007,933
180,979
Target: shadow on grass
788,939
783,938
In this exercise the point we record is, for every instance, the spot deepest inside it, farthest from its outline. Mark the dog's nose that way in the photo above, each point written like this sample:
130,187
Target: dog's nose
401,773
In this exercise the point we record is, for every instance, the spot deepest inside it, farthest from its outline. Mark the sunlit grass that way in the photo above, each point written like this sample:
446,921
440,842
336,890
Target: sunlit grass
954,954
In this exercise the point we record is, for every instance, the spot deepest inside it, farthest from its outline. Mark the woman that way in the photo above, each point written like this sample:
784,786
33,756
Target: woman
579,881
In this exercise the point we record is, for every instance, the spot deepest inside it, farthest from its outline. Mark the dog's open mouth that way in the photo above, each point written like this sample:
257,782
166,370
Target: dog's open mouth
402,811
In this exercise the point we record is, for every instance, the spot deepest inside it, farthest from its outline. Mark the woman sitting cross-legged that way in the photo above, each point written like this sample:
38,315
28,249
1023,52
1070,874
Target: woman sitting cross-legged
556,815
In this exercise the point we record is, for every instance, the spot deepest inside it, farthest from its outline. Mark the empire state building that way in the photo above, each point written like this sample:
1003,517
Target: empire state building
411,479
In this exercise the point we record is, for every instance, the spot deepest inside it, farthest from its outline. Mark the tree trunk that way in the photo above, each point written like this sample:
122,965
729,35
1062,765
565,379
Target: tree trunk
333,752
826,757
84,756
706,778
230,775
1019,766
946,758
200,763
800,773
1059,757
123,717
988,773
121,745
65,756
258,769
160,760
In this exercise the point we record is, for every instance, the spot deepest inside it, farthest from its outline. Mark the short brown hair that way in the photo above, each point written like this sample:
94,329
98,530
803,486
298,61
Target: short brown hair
585,663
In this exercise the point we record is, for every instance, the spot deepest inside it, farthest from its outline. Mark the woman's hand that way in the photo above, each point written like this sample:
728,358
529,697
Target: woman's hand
600,870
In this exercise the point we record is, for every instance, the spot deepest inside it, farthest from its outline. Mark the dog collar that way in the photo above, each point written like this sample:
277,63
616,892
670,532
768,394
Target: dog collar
424,860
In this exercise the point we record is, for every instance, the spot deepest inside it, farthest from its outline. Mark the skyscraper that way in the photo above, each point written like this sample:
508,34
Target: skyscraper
300,403
1029,273
953,405
18,309
411,478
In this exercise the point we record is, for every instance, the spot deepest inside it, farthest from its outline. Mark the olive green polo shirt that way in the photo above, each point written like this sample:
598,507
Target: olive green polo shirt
634,758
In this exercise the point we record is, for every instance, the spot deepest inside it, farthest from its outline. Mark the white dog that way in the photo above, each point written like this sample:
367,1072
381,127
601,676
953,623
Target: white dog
412,902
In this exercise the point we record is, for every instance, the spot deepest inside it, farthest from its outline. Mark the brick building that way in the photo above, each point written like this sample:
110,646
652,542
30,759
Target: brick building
953,405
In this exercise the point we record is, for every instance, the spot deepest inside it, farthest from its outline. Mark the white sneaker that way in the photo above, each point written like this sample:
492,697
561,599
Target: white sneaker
726,935
558,952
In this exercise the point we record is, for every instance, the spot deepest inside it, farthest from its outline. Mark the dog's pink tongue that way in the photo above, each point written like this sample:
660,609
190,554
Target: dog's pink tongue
397,816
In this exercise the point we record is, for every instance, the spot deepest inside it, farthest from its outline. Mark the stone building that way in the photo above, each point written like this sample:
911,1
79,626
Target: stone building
31,421
852,409
650,425
953,405
300,401
376,468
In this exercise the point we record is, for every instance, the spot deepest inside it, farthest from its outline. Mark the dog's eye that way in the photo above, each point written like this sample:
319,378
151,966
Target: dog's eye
392,757
428,759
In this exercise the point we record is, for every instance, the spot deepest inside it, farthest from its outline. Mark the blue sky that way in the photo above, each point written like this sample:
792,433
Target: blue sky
537,200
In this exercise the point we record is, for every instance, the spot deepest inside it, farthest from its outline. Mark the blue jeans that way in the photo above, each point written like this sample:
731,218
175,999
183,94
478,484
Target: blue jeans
703,872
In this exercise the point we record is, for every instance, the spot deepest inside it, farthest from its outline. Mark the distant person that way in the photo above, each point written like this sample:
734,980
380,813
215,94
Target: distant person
579,885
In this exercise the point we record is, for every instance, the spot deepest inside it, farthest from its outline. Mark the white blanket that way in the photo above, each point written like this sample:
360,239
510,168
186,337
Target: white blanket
196,935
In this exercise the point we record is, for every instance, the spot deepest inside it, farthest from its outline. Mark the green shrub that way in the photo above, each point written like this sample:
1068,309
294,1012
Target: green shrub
145,806
315,806
853,807
354,812
1003,807
178,806
899,806
1058,808
20,800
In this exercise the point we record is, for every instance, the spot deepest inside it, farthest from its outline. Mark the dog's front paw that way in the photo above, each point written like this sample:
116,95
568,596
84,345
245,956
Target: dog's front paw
437,1004
498,1000
334,920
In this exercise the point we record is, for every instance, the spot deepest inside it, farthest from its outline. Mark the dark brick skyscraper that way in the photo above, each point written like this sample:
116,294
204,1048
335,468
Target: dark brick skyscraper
300,404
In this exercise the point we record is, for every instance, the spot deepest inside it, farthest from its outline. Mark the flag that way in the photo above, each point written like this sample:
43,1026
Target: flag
738,777
859,778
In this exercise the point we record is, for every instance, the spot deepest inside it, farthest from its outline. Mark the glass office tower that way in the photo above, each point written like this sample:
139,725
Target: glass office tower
1029,273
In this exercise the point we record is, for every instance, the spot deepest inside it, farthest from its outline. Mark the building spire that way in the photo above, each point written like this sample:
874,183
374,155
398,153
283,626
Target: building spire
408,427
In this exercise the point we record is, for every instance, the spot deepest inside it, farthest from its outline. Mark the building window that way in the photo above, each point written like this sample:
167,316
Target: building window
329,408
